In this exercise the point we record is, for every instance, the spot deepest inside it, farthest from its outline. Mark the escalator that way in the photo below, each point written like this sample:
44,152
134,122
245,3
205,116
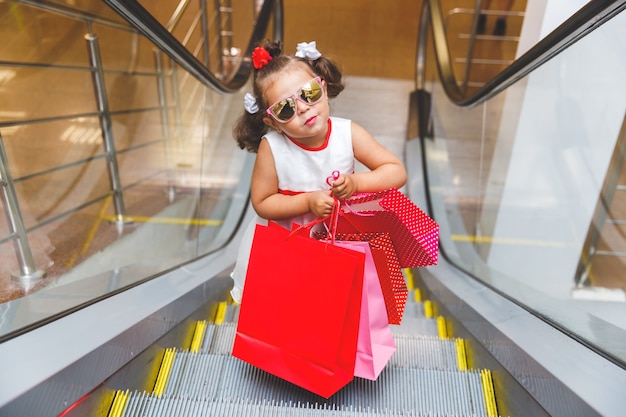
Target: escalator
428,375
464,348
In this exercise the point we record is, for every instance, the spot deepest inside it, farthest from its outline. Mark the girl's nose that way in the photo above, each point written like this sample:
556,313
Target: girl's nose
301,107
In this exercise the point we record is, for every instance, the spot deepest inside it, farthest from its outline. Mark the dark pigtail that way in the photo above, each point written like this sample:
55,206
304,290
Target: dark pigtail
330,72
249,130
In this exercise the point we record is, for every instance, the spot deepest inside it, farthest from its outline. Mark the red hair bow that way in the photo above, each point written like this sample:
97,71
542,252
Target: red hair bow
260,57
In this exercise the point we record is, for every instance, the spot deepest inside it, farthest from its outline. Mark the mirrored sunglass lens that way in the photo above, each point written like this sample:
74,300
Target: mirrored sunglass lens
284,109
311,92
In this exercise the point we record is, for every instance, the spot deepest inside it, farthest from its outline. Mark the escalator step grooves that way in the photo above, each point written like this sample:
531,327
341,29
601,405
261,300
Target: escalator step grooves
488,393
120,402
221,312
412,350
461,354
208,337
223,339
221,378
198,376
198,336
414,309
164,371
424,352
416,325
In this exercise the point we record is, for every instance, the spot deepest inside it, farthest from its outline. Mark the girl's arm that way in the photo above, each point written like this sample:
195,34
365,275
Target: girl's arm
270,204
386,170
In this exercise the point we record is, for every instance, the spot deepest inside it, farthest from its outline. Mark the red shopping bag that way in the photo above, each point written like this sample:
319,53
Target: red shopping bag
375,345
392,282
415,236
299,315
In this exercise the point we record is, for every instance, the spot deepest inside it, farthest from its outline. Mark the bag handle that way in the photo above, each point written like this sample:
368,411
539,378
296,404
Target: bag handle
333,217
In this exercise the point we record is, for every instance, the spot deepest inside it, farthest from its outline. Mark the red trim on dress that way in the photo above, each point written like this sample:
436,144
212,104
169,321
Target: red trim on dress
322,146
289,192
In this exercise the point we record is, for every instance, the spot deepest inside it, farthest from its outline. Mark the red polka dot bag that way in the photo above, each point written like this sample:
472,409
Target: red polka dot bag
415,236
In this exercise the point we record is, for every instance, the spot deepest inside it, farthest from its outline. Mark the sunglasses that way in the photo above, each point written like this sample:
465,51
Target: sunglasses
285,109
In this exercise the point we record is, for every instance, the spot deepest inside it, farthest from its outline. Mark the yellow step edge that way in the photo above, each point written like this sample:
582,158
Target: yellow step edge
428,309
442,328
198,336
417,293
410,282
221,312
489,393
119,404
164,371
461,354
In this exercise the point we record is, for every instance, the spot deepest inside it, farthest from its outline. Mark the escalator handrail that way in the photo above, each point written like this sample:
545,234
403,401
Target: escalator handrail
587,19
144,22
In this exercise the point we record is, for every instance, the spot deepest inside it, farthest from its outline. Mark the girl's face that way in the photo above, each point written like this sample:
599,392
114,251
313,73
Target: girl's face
310,122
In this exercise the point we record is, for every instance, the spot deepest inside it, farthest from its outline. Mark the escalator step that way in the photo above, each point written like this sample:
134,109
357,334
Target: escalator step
209,334
427,376
144,405
194,375
414,309
222,339
222,309
416,326
198,336
165,370
217,380
424,351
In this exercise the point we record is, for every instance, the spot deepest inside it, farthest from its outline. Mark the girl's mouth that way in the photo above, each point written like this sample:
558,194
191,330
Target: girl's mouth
310,121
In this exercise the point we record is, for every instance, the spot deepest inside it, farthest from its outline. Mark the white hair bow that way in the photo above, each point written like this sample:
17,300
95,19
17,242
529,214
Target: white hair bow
307,50
249,103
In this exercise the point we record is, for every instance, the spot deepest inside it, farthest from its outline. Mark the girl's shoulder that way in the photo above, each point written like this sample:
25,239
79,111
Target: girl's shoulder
339,125
272,136
340,120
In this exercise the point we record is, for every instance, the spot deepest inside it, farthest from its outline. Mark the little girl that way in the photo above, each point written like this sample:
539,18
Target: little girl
305,158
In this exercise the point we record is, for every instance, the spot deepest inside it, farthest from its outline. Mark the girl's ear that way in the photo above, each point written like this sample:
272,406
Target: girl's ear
271,123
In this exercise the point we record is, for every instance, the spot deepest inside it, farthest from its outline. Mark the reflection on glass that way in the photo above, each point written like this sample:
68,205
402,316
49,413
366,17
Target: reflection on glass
111,197
528,187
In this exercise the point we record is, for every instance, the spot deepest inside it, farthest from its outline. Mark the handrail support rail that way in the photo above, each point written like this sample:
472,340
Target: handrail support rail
105,125
28,272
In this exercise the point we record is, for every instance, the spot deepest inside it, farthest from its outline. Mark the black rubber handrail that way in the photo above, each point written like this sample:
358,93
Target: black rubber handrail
144,22
587,19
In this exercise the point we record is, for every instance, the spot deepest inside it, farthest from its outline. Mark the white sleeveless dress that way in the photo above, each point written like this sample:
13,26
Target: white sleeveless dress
299,169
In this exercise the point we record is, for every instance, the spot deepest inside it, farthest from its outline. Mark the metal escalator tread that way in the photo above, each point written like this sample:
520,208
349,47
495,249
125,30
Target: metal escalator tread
412,350
427,376
205,380
416,325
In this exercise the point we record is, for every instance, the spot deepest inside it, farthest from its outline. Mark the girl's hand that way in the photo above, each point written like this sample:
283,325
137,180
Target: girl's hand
321,203
343,187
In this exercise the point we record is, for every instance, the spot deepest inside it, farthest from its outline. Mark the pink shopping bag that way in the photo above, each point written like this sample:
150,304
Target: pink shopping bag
375,344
